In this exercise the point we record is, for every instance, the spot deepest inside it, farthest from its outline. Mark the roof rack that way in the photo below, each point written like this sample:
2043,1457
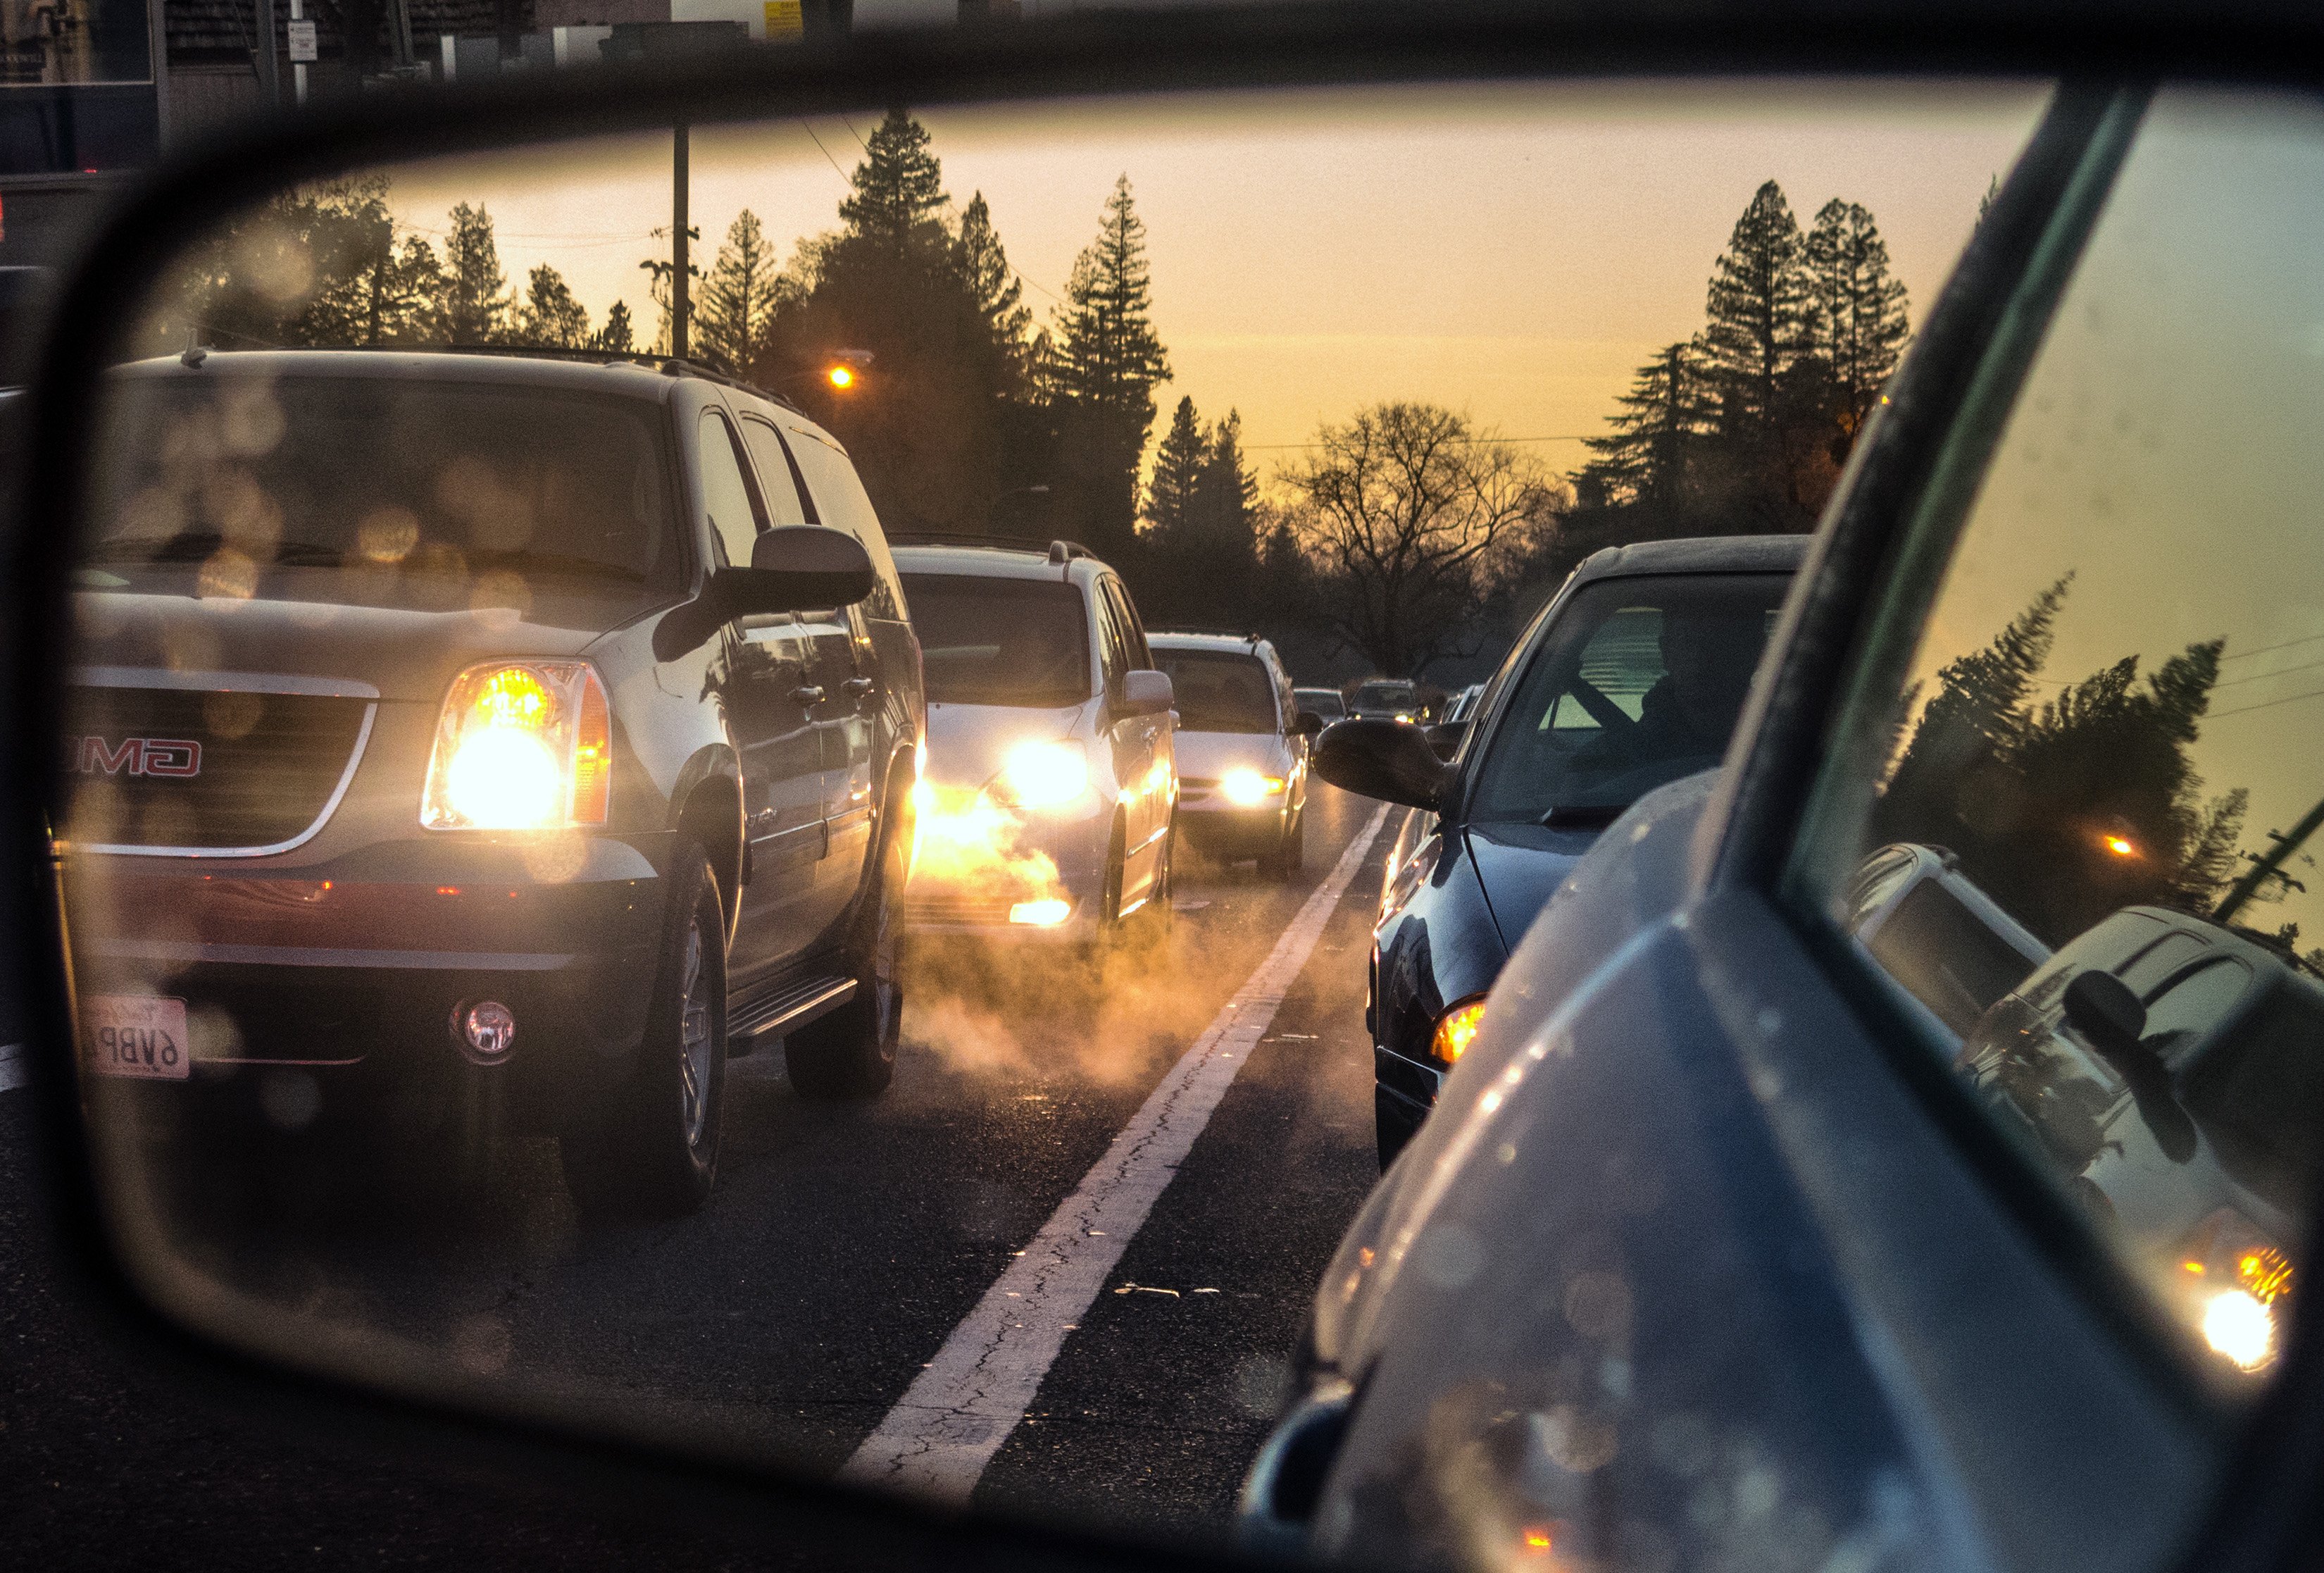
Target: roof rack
671,365
1245,634
1055,550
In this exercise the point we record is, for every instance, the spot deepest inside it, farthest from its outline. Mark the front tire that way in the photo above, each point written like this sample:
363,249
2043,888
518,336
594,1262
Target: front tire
651,1148
851,1053
1283,860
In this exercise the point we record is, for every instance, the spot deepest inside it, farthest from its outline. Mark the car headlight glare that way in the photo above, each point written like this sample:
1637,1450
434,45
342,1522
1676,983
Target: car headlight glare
1247,789
1042,775
1457,1030
520,746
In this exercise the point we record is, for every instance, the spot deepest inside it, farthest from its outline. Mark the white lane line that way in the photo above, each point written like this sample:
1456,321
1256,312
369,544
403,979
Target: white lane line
950,1422
12,1066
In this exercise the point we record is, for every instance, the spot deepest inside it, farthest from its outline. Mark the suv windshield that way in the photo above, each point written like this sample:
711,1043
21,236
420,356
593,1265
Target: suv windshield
1220,692
411,488
1637,682
1001,641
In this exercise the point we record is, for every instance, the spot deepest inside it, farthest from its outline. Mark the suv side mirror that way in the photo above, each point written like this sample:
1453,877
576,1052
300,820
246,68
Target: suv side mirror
796,568
1389,760
1306,723
1143,693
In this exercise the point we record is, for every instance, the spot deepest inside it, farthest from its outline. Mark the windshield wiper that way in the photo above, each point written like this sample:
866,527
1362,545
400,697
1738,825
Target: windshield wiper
200,545
1583,815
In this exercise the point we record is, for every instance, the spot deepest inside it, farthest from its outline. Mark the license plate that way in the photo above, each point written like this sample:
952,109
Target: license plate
133,1034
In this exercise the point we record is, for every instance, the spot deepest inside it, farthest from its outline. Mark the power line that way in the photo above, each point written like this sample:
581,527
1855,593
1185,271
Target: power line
2266,705
2263,650
824,150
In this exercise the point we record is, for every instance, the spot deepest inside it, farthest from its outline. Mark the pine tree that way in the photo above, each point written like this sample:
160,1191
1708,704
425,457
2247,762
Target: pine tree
410,301
550,315
1226,496
1179,462
617,336
1860,319
476,308
993,282
734,315
1105,362
899,186
1759,323
1653,453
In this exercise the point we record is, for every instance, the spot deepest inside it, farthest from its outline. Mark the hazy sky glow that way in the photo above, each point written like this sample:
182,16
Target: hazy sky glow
1515,251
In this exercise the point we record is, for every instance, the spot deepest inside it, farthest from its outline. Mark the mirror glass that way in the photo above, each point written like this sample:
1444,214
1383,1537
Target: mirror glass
831,1042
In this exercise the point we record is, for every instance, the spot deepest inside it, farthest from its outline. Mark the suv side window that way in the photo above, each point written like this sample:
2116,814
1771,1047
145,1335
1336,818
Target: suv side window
835,497
2109,730
1133,632
1112,639
778,478
735,516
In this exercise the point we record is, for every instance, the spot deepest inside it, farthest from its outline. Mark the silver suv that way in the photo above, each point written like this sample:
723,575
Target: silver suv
1047,807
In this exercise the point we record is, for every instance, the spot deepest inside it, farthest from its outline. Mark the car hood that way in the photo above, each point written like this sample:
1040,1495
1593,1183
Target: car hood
402,652
1519,866
968,744
1633,876
1211,754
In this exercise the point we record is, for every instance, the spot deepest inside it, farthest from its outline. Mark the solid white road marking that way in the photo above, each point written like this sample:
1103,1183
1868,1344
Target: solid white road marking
950,1422
12,1066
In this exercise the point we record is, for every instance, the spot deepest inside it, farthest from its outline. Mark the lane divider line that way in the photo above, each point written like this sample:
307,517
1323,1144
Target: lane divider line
938,1439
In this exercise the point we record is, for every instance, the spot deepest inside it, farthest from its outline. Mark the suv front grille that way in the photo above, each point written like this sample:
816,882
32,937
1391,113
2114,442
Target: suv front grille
173,769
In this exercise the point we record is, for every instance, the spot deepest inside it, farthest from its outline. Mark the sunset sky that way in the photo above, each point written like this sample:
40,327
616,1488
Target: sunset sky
1515,251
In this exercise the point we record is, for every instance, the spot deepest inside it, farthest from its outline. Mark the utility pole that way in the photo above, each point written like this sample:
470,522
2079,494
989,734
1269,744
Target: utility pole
269,89
2263,867
678,303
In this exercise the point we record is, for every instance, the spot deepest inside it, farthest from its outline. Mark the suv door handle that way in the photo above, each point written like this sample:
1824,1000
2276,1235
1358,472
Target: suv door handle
858,686
812,694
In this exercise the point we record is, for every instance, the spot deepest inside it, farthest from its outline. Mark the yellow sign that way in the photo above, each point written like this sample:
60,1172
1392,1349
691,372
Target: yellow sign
784,20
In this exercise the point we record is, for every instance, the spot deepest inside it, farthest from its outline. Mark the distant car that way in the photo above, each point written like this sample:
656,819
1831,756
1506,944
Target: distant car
1051,783
1632,676
1325,703
1950,945
1459,706
1383,700
555,743
1241,747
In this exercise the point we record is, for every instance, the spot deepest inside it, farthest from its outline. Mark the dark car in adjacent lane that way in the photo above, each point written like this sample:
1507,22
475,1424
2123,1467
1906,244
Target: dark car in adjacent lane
1632,677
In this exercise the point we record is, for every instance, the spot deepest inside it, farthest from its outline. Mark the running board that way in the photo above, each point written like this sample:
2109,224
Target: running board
793,1007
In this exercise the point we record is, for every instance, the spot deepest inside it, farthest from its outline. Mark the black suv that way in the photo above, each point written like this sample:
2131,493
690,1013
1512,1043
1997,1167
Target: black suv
476,742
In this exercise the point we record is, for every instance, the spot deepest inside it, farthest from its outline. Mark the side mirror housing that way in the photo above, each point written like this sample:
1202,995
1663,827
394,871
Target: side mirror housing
1143,693
1445,737
795,568
1389,760
1306,723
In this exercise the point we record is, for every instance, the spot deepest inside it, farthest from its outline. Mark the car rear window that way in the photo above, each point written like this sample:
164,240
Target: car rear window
1002,641
413,489
1220,692
1384,696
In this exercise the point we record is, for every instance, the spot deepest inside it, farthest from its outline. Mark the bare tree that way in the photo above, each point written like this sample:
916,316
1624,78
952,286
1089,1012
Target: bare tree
1415,517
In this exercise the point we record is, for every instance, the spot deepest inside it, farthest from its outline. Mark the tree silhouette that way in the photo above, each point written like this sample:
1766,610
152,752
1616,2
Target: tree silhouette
1655,453
1104,361
1859,322
617,336
477,306
2066,810
1178,464
550,315
734,313
898,189
1759,325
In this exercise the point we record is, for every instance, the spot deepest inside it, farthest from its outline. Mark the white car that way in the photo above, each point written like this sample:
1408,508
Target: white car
1046,805
1243,749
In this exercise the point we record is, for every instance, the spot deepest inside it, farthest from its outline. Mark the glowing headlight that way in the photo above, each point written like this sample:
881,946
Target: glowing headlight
1457,1031
1247,789
1042,775
2237,1325
521,745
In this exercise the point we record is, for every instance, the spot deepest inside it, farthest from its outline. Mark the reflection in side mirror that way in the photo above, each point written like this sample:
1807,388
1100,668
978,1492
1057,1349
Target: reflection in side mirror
2102,1008
1445,737
1389,760
1143,693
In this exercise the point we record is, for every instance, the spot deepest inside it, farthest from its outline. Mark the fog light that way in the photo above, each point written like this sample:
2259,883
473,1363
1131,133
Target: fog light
1041,914
488,1030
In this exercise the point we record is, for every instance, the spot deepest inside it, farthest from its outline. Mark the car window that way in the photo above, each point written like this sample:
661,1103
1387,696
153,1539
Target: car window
2107,723
1636,682
837,499
1218,691
1142,657
1000,641
1113,644
735,516
778,485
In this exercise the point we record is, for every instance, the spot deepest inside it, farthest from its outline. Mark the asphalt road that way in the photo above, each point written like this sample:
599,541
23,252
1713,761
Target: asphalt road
843,1247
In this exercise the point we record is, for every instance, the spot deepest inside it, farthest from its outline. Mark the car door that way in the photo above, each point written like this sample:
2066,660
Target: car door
765,690
844,693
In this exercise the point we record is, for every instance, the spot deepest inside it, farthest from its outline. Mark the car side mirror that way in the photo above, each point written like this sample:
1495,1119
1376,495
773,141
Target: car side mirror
1143,693
1445,737
1389,760
2102,1008
1306,723
794,569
